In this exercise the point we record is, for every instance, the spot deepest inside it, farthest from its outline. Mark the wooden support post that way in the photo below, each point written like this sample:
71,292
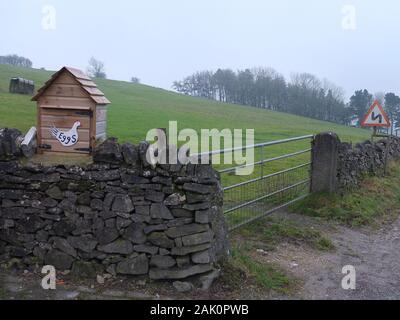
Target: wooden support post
374,134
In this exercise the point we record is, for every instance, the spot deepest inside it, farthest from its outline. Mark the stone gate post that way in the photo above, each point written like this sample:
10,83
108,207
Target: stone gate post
324,162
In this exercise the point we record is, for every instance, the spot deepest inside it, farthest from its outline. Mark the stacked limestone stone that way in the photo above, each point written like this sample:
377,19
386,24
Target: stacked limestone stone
364,158
118,215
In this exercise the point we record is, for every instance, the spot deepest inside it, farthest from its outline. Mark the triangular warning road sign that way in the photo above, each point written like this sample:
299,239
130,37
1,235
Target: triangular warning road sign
376,117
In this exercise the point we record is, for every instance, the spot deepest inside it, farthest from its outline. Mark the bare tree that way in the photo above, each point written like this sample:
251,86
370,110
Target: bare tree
380,96
337,92
96,69
306,81
135,80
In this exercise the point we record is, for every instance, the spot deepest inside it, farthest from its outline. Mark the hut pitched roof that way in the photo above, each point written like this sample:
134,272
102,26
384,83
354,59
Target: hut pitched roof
86,83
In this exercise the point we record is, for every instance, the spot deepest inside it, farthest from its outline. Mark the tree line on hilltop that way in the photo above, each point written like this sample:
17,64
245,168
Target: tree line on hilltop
15,60
303,95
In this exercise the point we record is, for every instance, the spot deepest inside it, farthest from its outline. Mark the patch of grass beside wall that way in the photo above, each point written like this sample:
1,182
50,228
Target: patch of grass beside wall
262,236
243,266
271,231
377,199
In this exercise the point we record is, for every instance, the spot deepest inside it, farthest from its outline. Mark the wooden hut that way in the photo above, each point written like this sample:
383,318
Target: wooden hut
71,113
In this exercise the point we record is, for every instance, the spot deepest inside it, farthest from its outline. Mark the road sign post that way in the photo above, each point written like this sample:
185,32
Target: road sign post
376,117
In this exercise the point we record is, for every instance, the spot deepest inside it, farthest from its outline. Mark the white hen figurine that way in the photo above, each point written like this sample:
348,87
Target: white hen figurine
68,138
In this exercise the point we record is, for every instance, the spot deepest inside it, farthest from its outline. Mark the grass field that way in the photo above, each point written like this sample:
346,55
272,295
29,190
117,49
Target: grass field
137,108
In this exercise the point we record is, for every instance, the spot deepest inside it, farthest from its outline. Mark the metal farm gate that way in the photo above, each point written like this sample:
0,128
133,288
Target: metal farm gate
280,178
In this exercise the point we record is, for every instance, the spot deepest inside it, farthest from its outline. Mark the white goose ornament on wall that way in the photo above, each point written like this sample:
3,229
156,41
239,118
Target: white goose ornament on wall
67,138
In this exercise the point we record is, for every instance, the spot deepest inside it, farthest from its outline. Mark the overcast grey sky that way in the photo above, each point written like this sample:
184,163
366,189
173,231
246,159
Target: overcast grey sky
161,41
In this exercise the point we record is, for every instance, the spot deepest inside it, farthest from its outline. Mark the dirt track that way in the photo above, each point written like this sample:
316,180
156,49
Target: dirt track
374,254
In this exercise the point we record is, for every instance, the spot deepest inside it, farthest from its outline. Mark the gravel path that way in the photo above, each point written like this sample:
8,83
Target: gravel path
374,254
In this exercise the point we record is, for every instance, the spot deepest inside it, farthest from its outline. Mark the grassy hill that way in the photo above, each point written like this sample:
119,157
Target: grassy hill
137,108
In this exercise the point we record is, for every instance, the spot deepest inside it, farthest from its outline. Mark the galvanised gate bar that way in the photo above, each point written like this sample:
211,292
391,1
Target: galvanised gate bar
277,181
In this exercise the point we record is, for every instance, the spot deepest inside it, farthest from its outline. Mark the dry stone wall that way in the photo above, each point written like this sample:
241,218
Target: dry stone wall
338,166
364,158
118,215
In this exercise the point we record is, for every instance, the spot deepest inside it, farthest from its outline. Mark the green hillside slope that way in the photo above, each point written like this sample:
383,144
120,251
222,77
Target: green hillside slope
137,108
